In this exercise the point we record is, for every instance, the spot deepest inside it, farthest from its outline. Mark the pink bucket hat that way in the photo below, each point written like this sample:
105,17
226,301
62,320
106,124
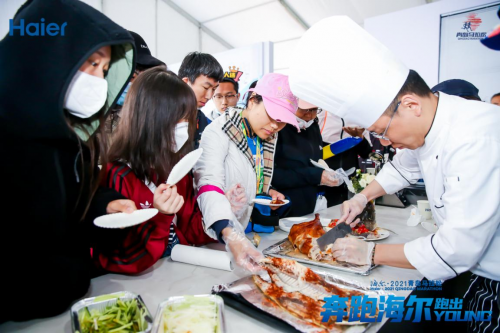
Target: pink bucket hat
279,101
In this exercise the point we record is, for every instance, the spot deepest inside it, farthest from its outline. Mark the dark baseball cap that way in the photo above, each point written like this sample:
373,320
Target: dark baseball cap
144,57
457,87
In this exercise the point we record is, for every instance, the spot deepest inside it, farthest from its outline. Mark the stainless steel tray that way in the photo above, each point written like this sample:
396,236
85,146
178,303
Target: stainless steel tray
101,302
285,249
219,302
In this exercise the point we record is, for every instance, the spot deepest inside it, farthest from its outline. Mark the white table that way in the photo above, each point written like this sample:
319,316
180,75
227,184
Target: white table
167,278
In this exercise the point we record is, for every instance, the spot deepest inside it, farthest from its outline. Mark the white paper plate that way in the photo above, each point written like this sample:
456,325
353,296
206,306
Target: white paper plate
185,165
382,233
267,202
429,226
286,223
123,220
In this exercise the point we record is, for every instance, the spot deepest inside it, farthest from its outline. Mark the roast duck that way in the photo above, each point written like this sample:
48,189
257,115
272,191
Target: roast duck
303,237
301,292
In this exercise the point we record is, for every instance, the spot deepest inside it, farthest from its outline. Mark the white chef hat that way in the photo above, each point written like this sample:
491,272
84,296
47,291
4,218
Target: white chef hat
340,67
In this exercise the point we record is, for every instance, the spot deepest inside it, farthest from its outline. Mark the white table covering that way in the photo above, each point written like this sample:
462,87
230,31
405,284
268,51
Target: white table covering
167,278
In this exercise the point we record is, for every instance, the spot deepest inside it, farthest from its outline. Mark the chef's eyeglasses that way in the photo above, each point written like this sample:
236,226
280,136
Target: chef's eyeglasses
382,136
311,110
220,98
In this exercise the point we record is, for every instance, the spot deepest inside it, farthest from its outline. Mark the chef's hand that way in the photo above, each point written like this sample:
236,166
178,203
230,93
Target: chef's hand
330,178
354,131
167,200
236,195
276,196
352,208
244,256
121,206
353,250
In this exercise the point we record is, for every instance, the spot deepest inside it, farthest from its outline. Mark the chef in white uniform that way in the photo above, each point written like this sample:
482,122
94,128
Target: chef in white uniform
450,142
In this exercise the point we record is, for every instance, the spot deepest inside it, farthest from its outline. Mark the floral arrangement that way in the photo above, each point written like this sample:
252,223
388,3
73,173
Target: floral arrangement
367,216
361,180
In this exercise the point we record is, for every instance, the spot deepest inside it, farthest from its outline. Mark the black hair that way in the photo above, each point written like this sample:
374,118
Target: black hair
252,85
257,99
235,84
145,138
197,63
496,95
414,84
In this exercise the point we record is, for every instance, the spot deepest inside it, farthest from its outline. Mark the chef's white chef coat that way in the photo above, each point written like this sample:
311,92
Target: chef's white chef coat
460,165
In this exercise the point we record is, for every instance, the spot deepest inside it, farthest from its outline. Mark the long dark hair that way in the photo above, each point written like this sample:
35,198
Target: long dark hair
157,100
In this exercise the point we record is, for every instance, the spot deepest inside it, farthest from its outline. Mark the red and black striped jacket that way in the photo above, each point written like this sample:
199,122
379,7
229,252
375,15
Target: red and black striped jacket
134,249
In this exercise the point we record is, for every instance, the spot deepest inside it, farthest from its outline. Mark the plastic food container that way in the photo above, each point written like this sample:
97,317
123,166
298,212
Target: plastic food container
173,304
87,306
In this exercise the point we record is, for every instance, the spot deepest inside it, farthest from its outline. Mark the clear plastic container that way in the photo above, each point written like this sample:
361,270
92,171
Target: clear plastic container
158,326
101,302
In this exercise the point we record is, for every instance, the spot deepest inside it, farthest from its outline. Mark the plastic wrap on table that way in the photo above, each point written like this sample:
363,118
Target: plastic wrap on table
285,249
245,296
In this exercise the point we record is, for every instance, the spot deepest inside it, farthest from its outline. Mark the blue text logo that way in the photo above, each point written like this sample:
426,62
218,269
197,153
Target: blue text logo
37,29
366,310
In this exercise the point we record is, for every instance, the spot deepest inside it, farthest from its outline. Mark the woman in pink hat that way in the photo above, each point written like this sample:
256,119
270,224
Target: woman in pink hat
237,164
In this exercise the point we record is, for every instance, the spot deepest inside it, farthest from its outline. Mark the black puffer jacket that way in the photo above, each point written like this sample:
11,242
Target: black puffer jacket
46,183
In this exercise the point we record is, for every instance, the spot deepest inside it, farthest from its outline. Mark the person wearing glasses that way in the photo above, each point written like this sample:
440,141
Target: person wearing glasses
238,152
450,142
294,175
226,95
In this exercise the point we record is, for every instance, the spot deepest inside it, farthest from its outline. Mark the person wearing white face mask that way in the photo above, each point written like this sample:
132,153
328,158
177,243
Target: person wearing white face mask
294,174
86,94
54,94
156,130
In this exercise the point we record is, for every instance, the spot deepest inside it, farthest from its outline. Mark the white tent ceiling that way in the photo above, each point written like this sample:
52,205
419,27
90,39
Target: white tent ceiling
235,23
172,28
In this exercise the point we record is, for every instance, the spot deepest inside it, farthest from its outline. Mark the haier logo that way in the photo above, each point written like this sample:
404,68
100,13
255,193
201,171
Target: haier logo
37,29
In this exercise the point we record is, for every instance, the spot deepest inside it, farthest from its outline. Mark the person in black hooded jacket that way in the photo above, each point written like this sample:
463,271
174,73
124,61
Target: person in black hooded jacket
52,91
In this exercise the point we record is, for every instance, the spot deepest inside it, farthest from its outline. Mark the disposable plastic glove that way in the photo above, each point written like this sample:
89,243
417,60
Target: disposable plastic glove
244,256
353,251
352,208
330,178
237,197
